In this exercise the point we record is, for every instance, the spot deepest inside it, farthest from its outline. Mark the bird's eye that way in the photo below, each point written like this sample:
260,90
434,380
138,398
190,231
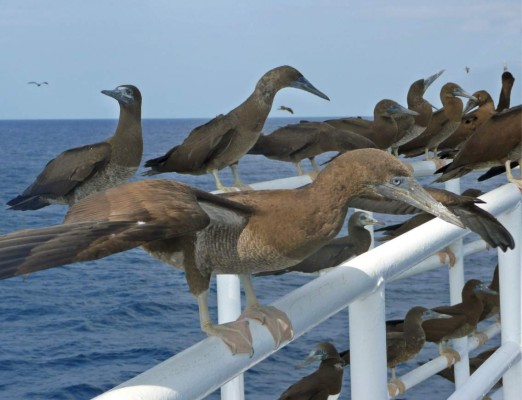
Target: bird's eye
396,181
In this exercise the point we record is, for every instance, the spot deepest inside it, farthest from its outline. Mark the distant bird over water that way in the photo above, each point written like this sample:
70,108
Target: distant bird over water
285,108
204,234
222,141
78,172
37,83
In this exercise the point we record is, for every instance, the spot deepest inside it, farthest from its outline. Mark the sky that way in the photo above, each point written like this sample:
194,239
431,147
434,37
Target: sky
200,58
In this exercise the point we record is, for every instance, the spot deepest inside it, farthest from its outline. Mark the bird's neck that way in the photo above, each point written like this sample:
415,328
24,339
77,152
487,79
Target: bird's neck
128,138
453,108
384,131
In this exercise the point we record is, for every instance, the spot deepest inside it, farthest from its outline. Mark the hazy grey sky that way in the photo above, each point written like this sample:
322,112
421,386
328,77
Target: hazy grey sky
202,58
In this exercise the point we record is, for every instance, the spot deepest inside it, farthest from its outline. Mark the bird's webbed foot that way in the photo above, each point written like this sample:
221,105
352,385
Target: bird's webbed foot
235,334
276,321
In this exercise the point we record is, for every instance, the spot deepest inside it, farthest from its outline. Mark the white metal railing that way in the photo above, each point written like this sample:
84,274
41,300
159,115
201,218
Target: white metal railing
359,283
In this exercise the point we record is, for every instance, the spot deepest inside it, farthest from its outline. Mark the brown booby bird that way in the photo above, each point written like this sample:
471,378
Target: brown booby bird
498,141
465,206
338,250
323,384
222,141
504,99
37,83
474,364
295,142
285,108
382,130
464,320
471,121
504,102
443,122
78,172
410,127
204,234
404,345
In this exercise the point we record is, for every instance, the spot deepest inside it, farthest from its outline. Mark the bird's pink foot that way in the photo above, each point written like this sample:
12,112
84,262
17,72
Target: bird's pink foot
276,321
395,387
235,334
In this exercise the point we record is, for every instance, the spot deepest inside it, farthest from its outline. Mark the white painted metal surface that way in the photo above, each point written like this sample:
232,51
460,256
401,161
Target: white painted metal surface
360,282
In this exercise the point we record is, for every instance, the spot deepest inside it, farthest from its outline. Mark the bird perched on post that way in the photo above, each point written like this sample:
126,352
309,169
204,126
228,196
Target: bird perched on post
203,234
78,172
222,141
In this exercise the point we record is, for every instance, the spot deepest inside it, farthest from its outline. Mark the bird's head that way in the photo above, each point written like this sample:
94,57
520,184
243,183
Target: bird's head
320,352
126,95
286,76
377,175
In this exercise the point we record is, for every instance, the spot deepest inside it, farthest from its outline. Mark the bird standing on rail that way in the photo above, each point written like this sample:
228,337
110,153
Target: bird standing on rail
78,172
237,233
222,141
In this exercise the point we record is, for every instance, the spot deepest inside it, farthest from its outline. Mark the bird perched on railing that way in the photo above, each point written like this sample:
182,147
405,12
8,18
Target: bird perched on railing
203,234
408,126
325,383
471,121
443,122
405,344
338,250
464,319
382,130
497,142
222,141
78,172
295,142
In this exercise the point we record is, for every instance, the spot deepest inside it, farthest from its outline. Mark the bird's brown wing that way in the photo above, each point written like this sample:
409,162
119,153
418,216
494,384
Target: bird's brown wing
105,223
64,173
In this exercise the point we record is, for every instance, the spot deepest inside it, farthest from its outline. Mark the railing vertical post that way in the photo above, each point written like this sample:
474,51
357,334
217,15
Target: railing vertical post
229,308
510,264
456,283
368,347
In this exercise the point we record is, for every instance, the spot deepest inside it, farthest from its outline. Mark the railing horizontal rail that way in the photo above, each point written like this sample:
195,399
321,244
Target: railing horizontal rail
306,307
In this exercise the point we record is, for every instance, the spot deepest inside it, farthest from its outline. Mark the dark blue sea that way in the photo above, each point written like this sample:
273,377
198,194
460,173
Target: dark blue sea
76,331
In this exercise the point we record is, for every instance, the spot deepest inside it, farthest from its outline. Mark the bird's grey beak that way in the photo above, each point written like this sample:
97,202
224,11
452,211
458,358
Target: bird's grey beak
431,79
462,93
398,109
315,355
373,221
119,95
470,105
430,314
485,290
410,191
303,84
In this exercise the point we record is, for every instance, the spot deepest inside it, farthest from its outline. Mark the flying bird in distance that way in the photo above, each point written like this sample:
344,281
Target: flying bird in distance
37,83
285,108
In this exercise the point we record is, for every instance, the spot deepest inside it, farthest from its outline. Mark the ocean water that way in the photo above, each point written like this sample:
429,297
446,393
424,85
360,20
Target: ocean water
76,331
